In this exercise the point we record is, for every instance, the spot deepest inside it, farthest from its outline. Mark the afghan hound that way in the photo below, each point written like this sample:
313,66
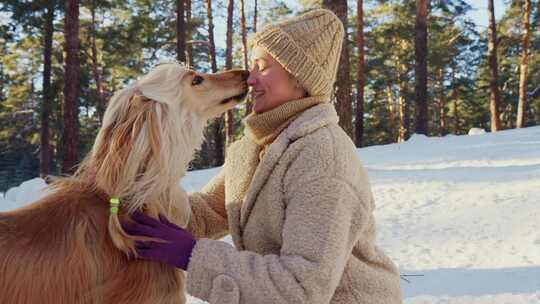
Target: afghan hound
69,246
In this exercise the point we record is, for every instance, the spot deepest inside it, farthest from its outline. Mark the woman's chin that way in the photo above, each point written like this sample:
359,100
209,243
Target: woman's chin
258,106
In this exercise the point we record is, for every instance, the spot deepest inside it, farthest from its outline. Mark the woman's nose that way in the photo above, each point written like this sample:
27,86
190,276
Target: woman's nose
251,79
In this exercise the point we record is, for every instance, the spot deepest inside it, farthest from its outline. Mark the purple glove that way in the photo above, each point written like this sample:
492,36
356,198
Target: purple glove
178,245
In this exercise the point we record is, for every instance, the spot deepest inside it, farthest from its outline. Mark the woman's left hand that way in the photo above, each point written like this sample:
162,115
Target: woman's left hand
178,245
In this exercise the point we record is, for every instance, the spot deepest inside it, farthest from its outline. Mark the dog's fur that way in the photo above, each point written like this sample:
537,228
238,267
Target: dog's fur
67,247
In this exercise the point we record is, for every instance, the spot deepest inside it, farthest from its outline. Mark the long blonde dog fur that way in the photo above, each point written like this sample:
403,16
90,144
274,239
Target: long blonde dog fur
67,247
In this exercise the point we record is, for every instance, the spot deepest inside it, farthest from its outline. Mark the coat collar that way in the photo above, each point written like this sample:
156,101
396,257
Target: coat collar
306,123
263,128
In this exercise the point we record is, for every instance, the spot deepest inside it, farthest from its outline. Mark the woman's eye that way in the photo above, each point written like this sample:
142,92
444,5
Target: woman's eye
258,67
197,80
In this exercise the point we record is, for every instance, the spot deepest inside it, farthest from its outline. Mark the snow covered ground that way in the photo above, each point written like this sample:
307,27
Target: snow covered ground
463,212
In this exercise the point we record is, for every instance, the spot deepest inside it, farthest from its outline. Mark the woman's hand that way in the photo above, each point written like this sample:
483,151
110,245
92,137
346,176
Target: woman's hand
178,245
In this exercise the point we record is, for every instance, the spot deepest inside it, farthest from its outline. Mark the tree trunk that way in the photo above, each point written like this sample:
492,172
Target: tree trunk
1,84
180,32
390,106
523,69
404,109
421,52
189,26
538,15
2,77
71,89
343,81
213,59
245,48
442,104
217,123
255,12
95,65
455,102
229,116
494,81
359,121
45,148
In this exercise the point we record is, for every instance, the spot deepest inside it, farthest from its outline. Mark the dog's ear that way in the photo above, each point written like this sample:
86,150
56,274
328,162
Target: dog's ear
127,154
138,157
115,144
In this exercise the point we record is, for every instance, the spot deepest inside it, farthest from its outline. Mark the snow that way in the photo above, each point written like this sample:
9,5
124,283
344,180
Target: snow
25,193
6,204
477,131
459,215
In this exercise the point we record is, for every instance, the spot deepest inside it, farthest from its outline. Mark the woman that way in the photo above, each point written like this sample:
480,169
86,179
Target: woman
292,193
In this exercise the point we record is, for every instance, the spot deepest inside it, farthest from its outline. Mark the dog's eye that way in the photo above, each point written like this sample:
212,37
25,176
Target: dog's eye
197,80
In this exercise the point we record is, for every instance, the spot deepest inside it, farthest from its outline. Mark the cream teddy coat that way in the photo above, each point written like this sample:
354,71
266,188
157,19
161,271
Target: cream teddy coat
301,221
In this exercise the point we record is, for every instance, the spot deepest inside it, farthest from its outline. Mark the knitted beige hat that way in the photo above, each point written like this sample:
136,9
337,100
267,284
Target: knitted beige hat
308,46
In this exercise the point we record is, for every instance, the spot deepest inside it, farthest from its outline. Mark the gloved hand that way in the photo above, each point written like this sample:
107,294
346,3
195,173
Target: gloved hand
178,245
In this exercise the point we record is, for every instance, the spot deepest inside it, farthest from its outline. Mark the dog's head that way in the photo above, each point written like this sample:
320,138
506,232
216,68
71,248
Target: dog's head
205,95
151,129
209,95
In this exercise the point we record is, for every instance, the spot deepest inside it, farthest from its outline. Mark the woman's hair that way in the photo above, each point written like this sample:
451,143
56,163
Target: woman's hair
295,82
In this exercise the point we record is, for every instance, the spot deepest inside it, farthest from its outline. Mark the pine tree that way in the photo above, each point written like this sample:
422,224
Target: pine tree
180,31
45,147
523,69
343,81
229,115
359,120
217,123
244,47
421,51
71,89
495,96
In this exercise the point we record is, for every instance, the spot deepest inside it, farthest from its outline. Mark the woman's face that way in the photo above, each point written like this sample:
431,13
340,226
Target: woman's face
271,85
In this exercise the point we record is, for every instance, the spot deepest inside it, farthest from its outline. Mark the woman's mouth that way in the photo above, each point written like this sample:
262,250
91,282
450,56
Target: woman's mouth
257,94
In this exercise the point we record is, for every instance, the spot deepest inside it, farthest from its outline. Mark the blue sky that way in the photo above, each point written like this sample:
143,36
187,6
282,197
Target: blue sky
478,14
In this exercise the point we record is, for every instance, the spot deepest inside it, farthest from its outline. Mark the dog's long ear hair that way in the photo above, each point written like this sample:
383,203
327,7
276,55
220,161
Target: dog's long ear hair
143,148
